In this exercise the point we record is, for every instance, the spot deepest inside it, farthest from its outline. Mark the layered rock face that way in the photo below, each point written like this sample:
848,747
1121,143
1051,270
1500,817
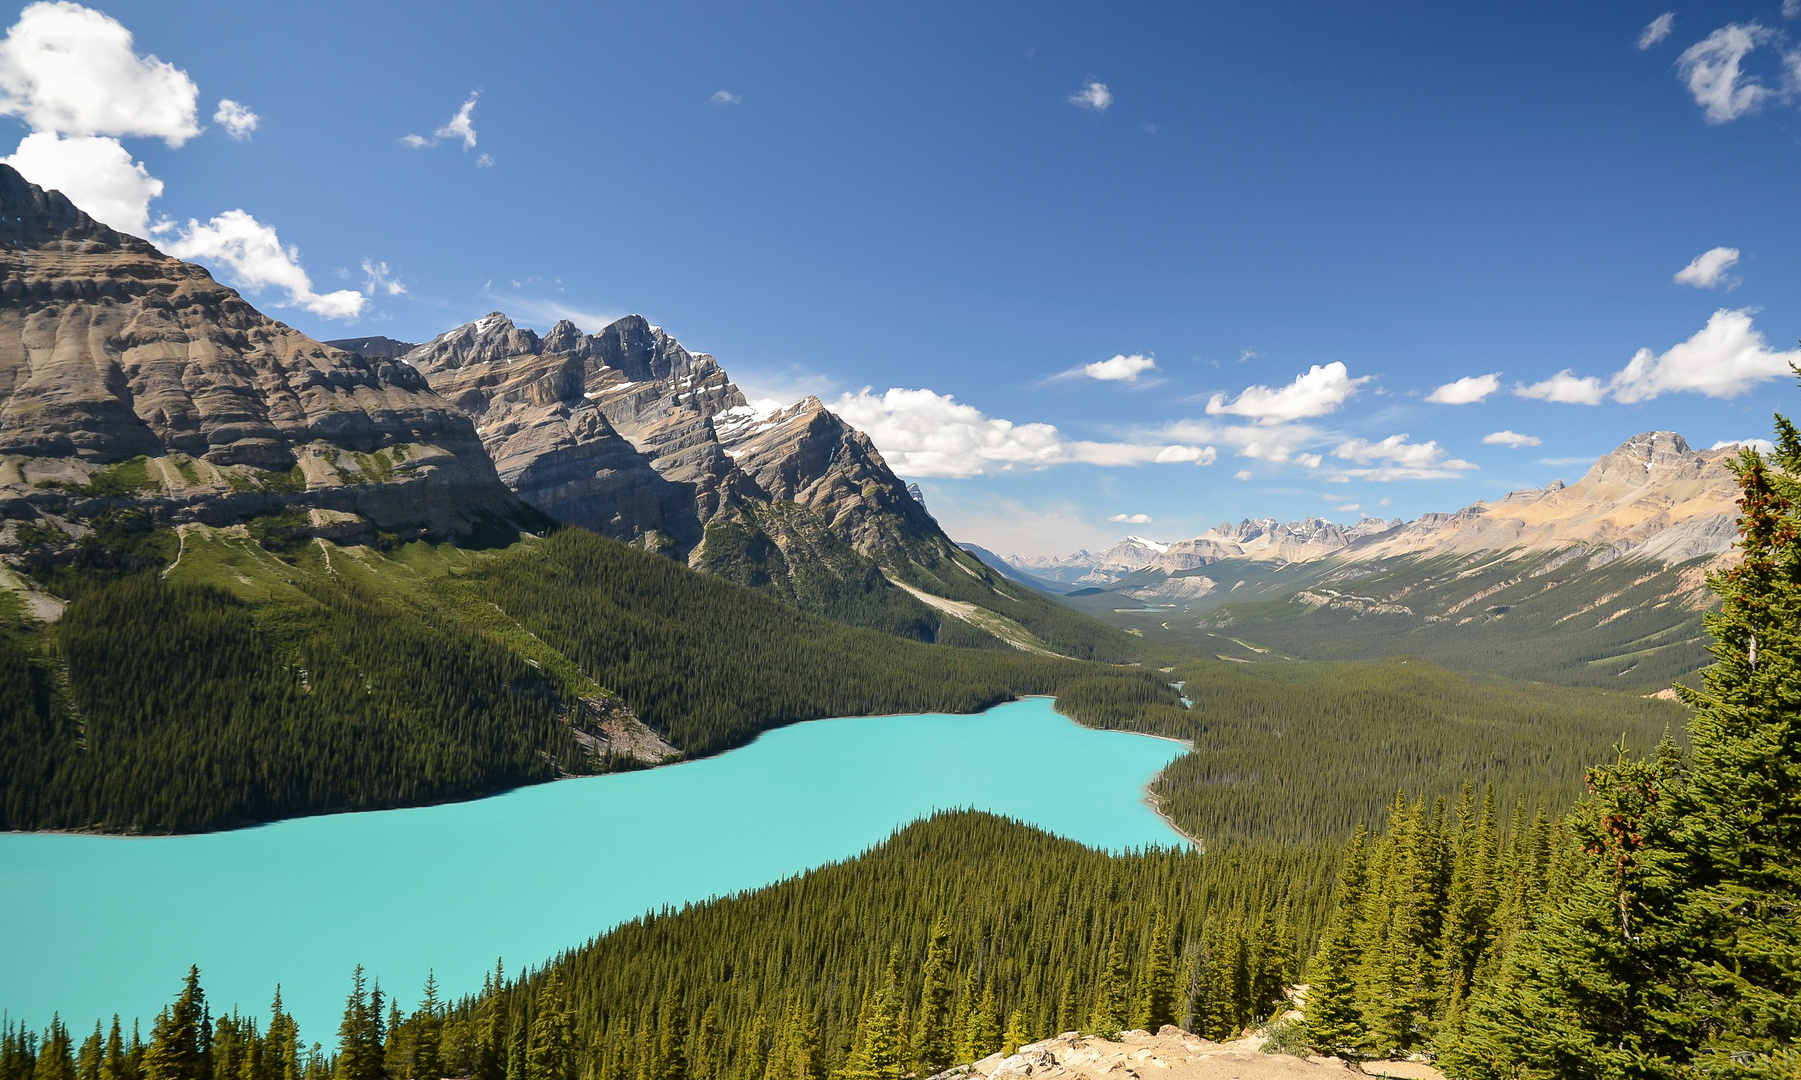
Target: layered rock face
1653,497
627,433
125,373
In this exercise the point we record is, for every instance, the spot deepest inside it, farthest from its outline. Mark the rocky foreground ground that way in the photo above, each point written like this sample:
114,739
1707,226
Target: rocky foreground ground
1170,1054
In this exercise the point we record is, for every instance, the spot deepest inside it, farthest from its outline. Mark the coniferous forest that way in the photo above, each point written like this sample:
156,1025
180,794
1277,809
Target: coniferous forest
1637,918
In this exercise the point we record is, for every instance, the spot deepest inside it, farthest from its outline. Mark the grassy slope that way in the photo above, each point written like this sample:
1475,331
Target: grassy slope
1629,625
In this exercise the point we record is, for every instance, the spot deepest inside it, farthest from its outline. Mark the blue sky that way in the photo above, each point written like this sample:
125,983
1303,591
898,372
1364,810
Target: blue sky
947,219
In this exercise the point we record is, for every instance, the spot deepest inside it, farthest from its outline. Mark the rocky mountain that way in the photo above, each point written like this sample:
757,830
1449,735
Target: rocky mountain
130,376
1086,569
629,434
376,348
1597,581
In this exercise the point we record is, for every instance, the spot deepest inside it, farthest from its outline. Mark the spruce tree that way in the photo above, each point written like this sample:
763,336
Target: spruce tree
426,1062
1156,1002
550,1047
1110,990
176,1050
1737,864
1334,1019
932,1040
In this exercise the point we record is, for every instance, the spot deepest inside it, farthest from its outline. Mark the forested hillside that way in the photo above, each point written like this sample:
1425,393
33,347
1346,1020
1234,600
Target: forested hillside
222,677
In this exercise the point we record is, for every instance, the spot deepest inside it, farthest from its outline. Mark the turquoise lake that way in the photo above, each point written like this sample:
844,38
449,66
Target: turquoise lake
94,925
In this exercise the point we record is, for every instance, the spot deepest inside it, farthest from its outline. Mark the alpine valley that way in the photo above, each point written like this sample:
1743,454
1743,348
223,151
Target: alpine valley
250,576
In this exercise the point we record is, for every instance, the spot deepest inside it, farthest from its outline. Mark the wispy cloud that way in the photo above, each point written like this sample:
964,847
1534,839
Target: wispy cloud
1470,390
1656,30
255,258
460,127
1093,95
1132,519
236,118
1713,71
726,97
1566,388
1316,392
925,433
1708,269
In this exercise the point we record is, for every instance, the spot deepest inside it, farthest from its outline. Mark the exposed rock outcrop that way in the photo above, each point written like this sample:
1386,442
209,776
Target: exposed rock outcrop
627,433
126,374
1171,1053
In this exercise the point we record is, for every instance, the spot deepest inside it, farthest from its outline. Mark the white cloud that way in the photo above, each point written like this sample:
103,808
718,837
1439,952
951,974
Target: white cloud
255,259
1791,9
726,97
1132,519
1708,269
1121,368
1723,359
1511,438
924,433
461,126
1711,69
237,119
485,161
1469,390
378,279
1762,446
1414,459
1272,443
1565,388
95,172
1093,95
72,70
1242,474
1656,30
1319,391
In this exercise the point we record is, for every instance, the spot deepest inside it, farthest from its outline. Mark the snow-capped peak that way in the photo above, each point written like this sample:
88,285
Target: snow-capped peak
1152,544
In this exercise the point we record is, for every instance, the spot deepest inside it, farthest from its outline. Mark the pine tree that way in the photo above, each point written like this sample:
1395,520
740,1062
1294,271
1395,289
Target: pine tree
1156,1001
1737,847
1334,1019
877,1053
932,1041
550,1047
176,1050
672,1038
425,1060
1109,1013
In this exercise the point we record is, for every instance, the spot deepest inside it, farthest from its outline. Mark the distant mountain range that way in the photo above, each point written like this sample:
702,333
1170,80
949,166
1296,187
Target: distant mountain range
1601,581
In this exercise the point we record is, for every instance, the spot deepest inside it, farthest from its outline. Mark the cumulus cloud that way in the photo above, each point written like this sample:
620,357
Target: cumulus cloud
95,172
1093,95
254,258
461,127
1656,30
1319,391
1403,459
1469,390
1565,388
70,69
1121,368
1708,269
924,433
1311,461
236,118
1132,519
726,97
1723,359
1762,446
1712,68
1511,438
